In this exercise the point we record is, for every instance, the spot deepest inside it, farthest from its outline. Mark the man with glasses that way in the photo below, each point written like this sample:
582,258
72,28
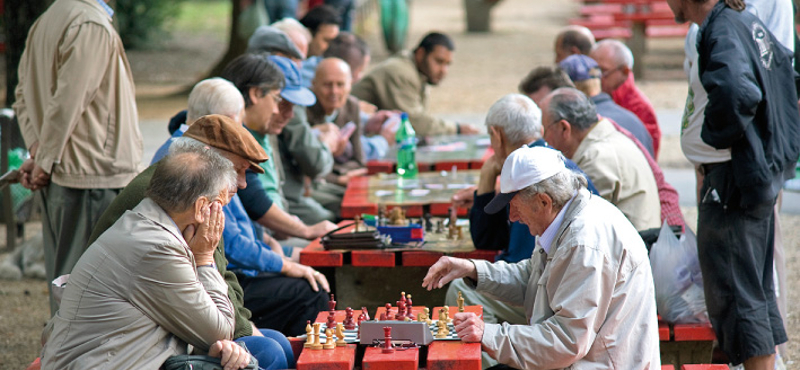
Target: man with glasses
616,64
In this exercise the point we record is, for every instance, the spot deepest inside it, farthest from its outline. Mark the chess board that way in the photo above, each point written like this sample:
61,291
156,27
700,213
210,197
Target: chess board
451,334
351,336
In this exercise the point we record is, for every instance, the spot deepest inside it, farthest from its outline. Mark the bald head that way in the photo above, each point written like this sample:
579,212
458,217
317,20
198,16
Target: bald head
615,61
573,40
332,84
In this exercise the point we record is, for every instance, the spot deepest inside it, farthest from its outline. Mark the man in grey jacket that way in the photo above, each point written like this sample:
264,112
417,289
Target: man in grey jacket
587,289
148,287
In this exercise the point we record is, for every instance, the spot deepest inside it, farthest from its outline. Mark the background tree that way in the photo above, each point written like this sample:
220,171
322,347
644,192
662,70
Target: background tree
237,44
18,17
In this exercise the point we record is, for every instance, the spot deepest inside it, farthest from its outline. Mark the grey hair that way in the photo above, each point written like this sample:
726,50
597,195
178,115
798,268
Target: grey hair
573,106
622,54
187,145
559,187
291,26
214,96
518,116
182,177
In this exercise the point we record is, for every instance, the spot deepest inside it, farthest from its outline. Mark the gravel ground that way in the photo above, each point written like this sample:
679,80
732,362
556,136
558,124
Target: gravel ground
486,67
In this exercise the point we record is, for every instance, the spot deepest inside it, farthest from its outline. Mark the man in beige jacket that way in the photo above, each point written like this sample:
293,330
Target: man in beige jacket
587,290
616,166
401,83
76,110
148,286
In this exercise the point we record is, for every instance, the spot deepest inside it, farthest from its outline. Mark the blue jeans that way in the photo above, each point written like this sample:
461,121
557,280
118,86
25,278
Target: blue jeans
272,351
279,9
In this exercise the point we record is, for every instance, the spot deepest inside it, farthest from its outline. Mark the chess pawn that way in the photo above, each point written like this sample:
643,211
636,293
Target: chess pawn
460,233
366,314
340,335
329,342
388,311
401,307
409,309
361,318
309,335
427,312
460,301
387,340
446,310
349,323
316,344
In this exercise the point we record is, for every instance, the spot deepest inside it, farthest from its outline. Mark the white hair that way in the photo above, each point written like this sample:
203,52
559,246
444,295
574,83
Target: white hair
518,116
291,26
214,96
559,187
621,53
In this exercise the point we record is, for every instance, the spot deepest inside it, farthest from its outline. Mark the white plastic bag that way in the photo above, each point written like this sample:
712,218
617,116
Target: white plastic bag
678,280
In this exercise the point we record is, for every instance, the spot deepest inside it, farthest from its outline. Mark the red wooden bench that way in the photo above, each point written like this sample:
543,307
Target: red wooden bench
683,344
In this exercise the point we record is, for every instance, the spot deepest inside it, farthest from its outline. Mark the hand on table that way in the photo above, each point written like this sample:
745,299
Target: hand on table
204,240
319,229
447,269
232,356
464,198
344,179
314,277
469,327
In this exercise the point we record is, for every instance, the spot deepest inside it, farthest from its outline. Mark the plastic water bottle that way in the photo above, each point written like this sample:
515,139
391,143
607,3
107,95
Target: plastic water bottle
406,149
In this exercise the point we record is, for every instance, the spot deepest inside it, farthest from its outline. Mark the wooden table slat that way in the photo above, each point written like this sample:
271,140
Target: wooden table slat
375,359
447,355
341,358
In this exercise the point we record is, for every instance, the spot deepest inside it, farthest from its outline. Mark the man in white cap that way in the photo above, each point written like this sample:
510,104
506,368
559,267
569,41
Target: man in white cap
587,289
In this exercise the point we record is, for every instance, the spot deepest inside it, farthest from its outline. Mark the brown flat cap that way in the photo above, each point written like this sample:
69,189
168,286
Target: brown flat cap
222,132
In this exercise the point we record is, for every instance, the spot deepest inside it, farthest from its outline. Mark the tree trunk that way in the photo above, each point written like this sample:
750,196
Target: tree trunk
18,16
237,45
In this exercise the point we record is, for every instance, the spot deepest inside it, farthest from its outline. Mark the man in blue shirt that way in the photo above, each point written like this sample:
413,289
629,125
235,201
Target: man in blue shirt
513,121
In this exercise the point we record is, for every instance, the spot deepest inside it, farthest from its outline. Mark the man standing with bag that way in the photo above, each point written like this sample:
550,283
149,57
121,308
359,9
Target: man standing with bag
751,111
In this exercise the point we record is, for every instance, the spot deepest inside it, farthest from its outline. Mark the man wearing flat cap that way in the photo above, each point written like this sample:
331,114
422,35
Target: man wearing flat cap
587,289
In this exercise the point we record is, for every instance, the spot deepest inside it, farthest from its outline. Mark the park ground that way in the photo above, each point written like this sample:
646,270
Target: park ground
486,67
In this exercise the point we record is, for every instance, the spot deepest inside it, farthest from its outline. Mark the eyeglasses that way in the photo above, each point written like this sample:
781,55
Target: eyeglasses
610,71
277,98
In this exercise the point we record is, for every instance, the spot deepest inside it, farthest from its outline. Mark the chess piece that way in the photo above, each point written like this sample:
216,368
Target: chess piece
329,342
361,318
331,314
316,344
388,311
397,217
309,335
349,323
440,226
366,314
409,309
387,340
340,334
443,332
382,317
356,223
382,215
460,233
460,301
446,309
401,307
427,313
428,224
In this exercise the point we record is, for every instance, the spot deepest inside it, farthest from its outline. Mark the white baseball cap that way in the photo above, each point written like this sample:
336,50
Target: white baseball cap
523,168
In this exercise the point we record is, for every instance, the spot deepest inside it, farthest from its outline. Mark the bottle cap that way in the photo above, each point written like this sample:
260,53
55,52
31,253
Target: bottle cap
403,116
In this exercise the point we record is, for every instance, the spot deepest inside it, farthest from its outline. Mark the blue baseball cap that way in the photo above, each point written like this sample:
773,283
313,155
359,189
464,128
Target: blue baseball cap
294,91
579,67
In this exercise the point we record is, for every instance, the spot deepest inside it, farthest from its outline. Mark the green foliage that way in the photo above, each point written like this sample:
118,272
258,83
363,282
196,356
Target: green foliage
140,22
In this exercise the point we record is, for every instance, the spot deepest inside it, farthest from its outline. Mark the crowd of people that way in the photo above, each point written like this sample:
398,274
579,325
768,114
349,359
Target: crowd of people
199,252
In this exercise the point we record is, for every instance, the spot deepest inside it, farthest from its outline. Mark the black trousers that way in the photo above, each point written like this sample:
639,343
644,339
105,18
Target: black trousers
282,303
735,248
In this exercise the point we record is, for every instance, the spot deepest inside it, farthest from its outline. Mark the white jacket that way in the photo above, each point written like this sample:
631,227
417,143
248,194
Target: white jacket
590,302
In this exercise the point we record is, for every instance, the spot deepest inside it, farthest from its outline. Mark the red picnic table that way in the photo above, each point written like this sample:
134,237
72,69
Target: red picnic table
438,153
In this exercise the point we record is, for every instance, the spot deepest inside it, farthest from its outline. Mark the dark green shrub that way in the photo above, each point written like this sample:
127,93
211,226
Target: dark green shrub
140,22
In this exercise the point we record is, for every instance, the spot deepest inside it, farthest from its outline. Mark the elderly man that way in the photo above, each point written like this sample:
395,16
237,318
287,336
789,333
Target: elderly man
585,74
616,166
616,64
332,85
401,82
513,121
148,287
297,33
573,40
587,289
76,108
234,142
210,96
742,64
269,39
